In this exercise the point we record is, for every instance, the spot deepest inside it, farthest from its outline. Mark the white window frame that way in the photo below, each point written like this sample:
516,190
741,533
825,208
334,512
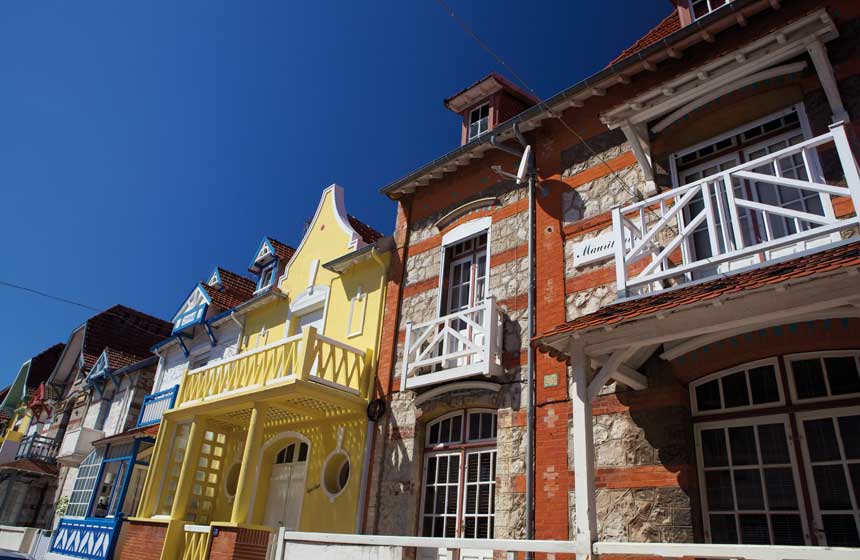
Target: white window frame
789,358
748,422
269,269
469,135
710,9
830,413
774,361
472,228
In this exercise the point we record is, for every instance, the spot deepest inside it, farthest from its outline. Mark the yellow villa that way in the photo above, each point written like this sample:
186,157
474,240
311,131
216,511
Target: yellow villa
277,434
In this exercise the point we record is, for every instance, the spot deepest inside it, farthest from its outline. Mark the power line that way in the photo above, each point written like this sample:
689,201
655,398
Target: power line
77,304
541,103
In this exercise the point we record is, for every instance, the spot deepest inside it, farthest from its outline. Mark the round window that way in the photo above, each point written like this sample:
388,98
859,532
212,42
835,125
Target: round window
336,473
231,481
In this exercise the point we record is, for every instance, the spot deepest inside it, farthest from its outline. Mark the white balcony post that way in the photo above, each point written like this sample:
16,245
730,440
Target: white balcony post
849,164
406,357
711,219
489,330
583,452
620,249
733,212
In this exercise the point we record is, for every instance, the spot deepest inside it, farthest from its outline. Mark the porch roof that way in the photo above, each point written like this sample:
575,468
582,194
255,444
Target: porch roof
842,256
28,465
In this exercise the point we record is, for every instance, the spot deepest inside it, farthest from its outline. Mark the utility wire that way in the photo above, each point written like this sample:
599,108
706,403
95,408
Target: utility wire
541,103
77,304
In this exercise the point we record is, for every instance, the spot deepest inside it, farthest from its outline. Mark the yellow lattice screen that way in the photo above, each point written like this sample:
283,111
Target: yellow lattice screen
204,486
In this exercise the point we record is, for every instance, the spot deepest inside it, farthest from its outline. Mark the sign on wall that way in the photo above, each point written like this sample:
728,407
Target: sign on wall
596,249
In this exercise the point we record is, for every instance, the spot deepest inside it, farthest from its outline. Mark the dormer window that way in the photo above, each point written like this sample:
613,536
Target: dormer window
479,121
267,275
701,8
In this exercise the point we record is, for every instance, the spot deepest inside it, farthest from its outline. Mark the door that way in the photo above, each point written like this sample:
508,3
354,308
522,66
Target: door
479,501
831,449
700,245
287,487
313,318
465,287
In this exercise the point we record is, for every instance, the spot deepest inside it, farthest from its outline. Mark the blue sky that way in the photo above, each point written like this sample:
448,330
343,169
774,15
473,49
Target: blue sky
143,143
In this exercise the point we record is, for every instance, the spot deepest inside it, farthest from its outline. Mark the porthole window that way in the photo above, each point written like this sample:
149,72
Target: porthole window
231,481
336,473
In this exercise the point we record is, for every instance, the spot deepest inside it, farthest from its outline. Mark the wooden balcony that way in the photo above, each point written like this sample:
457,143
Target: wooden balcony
464,344
308,357
37,448
723,222
155,405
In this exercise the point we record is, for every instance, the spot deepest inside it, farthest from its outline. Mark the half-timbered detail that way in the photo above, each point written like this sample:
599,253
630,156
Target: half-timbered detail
274,433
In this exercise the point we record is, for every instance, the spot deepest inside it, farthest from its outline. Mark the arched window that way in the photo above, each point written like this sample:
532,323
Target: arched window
459,482
293,453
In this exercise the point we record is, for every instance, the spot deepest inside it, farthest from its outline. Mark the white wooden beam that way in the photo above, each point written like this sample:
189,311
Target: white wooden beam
818,54
609,370
583,452
850,311
624,374
638,140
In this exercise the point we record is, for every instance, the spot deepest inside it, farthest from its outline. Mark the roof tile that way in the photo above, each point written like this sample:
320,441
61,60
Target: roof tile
367,233
669,25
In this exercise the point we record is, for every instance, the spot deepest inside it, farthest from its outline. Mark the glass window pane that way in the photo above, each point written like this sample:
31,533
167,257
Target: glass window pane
742,444
714,451
809,379
474,426
854,472
842,375
708,396
735,390
831,486
723,529
787,530
779,484
849,429
486,426
821,440
719,490
754,529
748,489
774,447
840,530
763,385
454,471
456,428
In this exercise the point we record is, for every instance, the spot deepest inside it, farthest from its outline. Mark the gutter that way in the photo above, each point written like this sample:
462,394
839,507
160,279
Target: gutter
595,81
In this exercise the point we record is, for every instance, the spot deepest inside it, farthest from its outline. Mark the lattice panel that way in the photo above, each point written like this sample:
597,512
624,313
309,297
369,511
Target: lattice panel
204,486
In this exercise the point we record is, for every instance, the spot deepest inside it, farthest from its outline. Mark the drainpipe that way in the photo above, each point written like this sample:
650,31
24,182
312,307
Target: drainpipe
530,364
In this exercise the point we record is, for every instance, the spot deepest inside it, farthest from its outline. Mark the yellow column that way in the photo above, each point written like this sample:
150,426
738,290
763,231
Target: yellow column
250,465
148,503
174,539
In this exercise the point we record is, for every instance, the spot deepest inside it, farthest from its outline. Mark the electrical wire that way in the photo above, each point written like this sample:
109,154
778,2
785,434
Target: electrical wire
77,304
541,103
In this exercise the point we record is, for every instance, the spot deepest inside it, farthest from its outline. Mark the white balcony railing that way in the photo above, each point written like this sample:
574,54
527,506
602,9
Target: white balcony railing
330,546
461,344
734,218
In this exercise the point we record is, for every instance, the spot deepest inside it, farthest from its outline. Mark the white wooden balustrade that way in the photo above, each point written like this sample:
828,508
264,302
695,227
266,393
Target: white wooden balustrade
461,344
757,211
325,546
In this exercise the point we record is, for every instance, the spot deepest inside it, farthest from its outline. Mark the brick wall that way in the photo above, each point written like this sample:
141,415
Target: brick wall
239,544
140,540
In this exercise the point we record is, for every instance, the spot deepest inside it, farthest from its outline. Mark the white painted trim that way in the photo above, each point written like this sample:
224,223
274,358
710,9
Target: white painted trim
745,551
789,358
455,386
748,422
832,413
196,528
341,219
467,230
774,362
308,300
338,450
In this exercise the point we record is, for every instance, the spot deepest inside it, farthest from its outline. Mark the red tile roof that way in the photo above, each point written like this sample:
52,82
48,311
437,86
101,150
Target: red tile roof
235,289
124,330
367,233
669,25
42,364
843,256
38,467
143,431
283,251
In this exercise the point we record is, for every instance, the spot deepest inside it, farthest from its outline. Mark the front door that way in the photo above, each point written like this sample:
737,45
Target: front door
287,487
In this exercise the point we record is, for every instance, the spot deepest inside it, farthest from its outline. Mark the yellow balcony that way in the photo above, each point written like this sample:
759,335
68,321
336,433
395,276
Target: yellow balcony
306,357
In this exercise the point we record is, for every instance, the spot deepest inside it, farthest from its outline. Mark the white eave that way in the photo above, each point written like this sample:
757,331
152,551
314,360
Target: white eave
648,59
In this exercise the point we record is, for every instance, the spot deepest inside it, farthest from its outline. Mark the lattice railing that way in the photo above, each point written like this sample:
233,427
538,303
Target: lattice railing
196,542
308,356
741,216
464,343
155,405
